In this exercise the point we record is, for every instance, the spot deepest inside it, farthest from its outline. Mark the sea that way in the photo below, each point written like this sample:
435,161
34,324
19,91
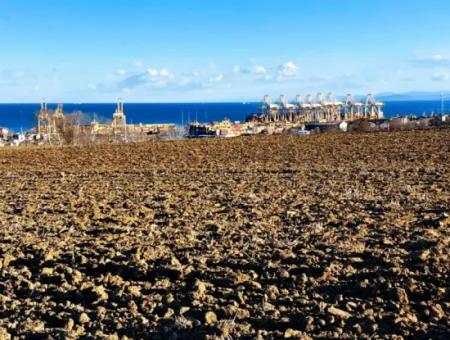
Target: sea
22,117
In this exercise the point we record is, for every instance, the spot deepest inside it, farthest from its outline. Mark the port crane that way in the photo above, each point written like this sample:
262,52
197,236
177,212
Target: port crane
320,108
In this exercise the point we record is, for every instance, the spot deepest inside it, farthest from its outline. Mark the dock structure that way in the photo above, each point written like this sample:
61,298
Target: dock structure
44,119
119,122
58,118
53,127
318,108
226,128
59,112
323,112
120,130
50,123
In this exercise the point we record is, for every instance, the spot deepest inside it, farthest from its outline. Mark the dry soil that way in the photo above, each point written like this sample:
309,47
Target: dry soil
340,235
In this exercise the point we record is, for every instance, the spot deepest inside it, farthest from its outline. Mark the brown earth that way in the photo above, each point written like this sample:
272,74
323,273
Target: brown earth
343,235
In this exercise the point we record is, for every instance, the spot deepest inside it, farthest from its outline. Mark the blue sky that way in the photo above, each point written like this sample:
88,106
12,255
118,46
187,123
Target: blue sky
206,50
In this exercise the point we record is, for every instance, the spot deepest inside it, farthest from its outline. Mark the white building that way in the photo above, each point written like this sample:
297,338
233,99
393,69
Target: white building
343,126
18,139
4,133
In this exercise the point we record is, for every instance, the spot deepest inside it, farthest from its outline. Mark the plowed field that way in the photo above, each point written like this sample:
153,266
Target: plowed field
339,235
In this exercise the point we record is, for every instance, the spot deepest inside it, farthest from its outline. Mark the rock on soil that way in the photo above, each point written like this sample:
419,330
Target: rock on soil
338,235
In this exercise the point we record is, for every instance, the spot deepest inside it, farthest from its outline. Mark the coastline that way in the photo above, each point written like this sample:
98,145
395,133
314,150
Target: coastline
21,117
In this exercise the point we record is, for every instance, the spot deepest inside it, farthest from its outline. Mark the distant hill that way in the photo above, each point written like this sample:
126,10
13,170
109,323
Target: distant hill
414,95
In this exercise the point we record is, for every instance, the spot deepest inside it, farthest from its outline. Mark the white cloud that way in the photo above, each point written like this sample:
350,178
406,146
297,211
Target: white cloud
216,79
437,60
13,78
253,69
161,83
258,69
288,69
439,76
151,78
437,57
138,63
153,72
120,72
184,81
165,73
209,77
188,83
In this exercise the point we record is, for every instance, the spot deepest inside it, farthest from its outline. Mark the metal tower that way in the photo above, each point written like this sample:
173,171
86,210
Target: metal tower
119,118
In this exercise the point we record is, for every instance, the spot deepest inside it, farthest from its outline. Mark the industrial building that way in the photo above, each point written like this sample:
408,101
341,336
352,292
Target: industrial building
54,127
318,113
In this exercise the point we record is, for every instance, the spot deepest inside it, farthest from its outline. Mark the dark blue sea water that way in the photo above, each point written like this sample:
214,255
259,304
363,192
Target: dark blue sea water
22,116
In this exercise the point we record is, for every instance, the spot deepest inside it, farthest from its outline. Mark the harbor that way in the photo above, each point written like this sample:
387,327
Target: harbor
313,114
56,128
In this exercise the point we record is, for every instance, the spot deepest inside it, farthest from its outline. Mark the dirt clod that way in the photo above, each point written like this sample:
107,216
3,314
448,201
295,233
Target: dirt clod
325,236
